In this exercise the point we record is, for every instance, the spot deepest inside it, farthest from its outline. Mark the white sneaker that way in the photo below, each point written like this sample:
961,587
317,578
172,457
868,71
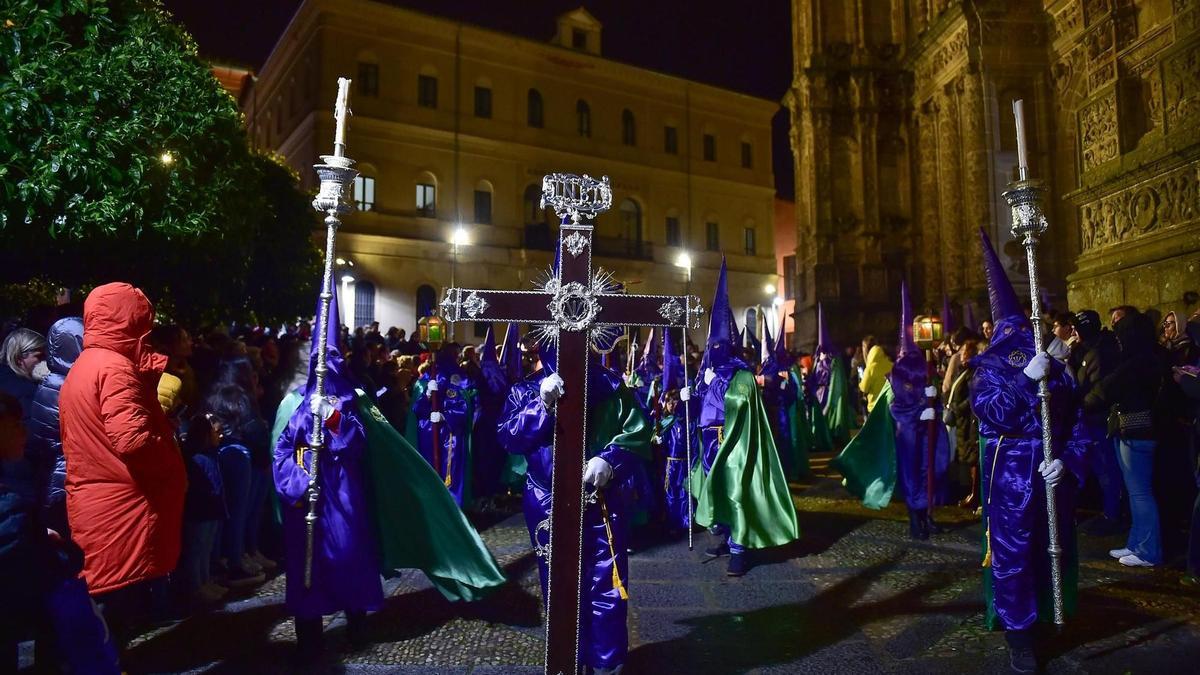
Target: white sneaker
264,562
1119,553
250,565
1132,560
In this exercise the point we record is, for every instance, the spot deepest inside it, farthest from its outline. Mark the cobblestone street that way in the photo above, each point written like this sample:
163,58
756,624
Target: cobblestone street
854,595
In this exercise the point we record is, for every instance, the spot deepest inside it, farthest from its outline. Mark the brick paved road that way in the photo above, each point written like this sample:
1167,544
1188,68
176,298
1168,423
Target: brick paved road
855,595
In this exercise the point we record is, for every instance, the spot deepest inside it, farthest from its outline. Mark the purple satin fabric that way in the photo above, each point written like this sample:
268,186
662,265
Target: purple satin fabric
712,411
455,429
818,381
488,455
908,379
345,573
527,428
675,474
1005,403
778,401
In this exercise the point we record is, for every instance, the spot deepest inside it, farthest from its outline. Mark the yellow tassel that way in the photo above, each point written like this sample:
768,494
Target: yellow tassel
449,460
987,547
611,550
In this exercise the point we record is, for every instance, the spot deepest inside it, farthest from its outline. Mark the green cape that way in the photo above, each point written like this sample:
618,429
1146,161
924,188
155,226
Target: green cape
868,462
803,441
838,409
416,520
746,488
411,435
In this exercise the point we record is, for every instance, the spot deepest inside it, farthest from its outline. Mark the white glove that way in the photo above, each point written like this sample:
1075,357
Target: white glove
436,417
551,389
927,414
709,375
320,406
685,394
657,440
930,392
597,472
1052,473
783,384
1038,367
433,386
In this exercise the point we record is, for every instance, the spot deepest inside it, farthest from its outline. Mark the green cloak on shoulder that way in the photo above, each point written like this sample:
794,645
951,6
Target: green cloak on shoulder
803,441
417,523
746,488
839,412
868,462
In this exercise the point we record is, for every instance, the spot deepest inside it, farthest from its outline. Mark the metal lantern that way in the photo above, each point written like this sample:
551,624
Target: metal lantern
432,330
927,331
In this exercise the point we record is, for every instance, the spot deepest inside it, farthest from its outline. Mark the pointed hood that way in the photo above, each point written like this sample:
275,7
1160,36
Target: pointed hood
648,367
969,316
337,376
947,316
512,353
672,367
489,348
721,351
1001,295
494,381
777,359
768,345
824,344
909,375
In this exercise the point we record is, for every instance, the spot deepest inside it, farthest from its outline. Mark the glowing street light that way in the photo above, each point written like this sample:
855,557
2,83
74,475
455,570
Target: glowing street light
769,289
166,158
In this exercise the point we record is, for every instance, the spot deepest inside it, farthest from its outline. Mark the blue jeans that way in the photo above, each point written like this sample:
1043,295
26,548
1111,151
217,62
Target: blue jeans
1137,466
1102,459
234,461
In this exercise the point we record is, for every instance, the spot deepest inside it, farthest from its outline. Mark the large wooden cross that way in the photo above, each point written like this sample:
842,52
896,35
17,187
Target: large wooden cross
573,308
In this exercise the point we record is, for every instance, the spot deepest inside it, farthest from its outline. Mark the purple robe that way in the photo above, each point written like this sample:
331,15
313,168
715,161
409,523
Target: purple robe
527,428
345,568
1005,402
779,398
457,395
489,455
908,380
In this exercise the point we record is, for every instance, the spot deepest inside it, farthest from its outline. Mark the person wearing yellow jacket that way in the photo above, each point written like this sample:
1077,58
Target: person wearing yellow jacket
875,372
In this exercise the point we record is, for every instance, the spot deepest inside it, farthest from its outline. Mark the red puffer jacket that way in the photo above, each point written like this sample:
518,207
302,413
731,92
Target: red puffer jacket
125,477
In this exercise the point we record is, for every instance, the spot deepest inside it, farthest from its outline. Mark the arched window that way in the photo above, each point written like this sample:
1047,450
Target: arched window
583,114
364,303
628,128
536,114
426,301
750,325
631,226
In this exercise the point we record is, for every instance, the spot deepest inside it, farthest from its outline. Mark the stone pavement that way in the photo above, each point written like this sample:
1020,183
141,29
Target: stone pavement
854,595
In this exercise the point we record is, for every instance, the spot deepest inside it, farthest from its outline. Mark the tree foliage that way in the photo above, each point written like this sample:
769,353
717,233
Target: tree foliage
94,94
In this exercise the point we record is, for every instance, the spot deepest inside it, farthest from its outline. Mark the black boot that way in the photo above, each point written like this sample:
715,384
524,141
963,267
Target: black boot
310,639
1021,658
356,630
922,524
931,527
915,522
739,564
721,548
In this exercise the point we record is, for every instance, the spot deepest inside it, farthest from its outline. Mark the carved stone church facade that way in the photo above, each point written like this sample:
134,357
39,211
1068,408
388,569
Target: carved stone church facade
904,139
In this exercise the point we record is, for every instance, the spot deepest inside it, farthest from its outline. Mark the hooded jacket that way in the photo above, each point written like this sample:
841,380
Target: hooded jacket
125,477
63,345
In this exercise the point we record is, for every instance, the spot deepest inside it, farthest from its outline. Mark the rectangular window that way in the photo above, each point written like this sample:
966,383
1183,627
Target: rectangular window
364,193
483,207
426,200
789,277
747,156
710,148
483,102
368,79
751,244
674,235
670,140
712,237
427,91
578,38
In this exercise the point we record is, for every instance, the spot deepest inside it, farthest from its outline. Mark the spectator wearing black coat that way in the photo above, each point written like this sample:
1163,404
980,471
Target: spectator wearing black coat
1094,356
64,343
1130,394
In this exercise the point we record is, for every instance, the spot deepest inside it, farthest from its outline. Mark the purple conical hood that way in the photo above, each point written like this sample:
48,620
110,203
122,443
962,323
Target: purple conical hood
720,320
489,348
947,316
333,332
1001,295
648,366
783,359
907,344
969,316
337,380
512,353
672,376
824,344
768,345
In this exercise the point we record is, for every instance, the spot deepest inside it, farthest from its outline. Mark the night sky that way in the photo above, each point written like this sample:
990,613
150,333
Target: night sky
740,45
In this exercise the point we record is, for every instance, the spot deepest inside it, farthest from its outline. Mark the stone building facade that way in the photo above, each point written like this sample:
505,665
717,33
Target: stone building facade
903,132
454,126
